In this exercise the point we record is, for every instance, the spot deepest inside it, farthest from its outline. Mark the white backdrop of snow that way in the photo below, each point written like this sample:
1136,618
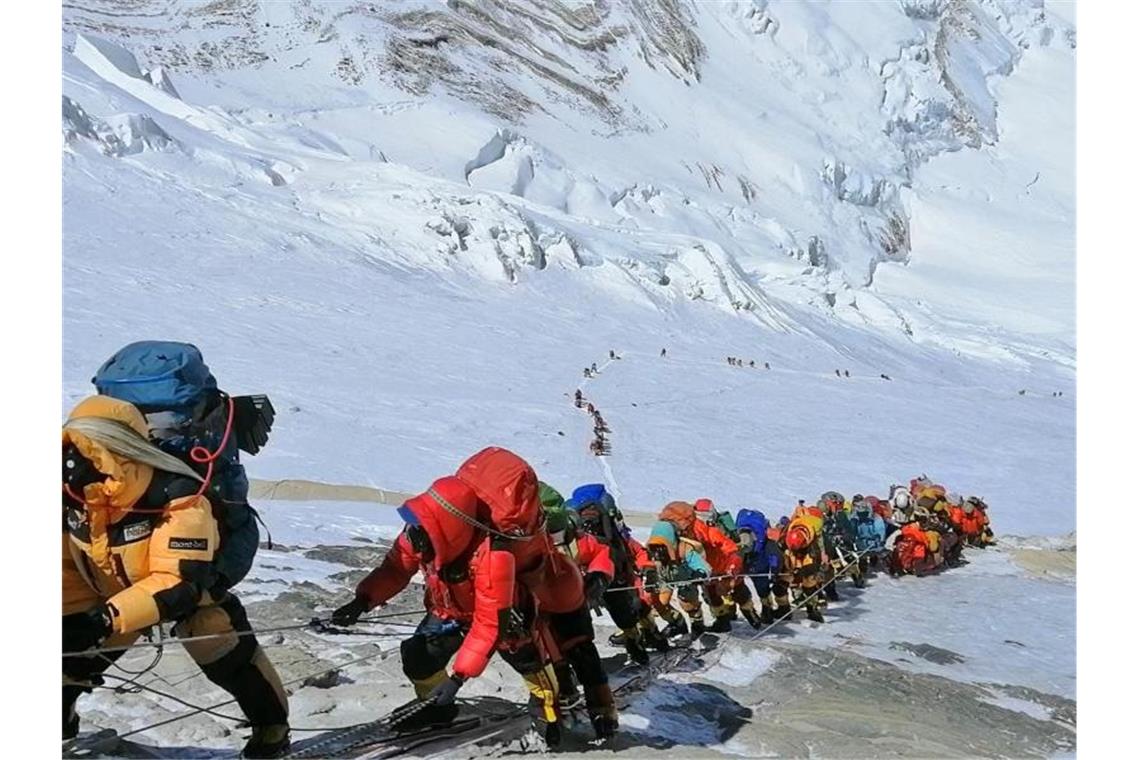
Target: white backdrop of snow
412,277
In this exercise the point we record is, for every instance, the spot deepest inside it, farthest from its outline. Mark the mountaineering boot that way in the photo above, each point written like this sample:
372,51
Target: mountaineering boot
603,711
568,695
766,616
751,616
636,650
549,734
697,629
722,623
677,627
267,741
70,716
656,639
71,727
830,592
860,581
815,614
618,639
783,612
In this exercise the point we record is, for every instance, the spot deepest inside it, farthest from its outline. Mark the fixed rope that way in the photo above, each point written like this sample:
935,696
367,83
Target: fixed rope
382,654
314,624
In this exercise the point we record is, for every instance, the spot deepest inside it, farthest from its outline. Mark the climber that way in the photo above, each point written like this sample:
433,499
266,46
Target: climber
470,593
678,562
762,559
600,517
494,580
717,532
578,398
870,533
141,546
903,504
802,567
720,552
826,513
910,551
840,531
592,558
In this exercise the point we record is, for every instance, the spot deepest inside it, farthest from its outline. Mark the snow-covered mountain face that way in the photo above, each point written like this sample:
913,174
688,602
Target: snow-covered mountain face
413,223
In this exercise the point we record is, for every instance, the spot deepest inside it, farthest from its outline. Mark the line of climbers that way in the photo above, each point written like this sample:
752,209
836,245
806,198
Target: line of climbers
600,445
157,528
737,362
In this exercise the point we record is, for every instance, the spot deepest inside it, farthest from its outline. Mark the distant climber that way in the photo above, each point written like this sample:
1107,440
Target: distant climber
846,373
612,356
837,374
662,353
578,398
767,366
752,363
884,376
594,368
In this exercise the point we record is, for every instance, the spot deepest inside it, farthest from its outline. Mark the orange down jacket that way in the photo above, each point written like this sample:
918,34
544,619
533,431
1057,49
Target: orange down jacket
141,541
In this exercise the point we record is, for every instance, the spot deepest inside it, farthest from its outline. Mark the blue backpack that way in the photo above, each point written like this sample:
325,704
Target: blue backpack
156,376
171,385
756,522
591,493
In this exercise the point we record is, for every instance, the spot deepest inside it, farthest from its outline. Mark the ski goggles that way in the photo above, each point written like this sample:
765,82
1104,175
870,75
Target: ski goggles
417,535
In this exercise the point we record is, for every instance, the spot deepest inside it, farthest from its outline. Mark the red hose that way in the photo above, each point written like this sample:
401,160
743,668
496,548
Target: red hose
202,455
198,455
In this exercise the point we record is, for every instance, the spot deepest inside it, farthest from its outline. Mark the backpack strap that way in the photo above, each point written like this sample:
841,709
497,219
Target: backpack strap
164,488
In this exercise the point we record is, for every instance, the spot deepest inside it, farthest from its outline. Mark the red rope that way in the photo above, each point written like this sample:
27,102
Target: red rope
198,454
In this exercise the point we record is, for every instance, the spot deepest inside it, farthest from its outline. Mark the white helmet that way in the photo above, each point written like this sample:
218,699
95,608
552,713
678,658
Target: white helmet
901,498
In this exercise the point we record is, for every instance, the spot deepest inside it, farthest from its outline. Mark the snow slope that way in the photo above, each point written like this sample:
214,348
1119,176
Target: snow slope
412,273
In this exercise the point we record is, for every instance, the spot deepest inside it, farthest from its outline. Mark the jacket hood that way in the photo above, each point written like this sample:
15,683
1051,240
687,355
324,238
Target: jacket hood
751,519
447,511
665,534
126,479
507,489
681,514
